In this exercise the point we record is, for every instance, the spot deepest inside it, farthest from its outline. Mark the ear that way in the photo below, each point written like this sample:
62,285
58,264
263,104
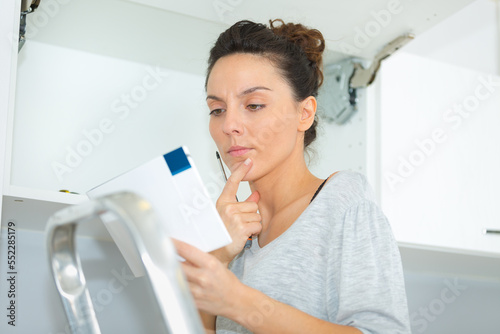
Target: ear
307,112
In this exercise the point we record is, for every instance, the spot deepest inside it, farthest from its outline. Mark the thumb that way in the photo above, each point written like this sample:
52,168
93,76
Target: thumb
254,197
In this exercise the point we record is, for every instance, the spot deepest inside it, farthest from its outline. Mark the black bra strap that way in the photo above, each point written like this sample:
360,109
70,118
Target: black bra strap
318,190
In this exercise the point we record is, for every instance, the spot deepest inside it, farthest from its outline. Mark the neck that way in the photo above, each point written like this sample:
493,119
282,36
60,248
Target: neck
282,186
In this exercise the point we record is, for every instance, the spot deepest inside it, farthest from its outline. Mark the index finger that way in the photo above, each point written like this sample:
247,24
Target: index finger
233,182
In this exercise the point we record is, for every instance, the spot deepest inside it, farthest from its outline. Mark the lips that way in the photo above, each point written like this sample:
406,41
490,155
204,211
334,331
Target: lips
237,151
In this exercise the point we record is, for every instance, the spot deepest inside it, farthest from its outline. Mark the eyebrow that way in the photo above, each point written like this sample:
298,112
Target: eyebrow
245,92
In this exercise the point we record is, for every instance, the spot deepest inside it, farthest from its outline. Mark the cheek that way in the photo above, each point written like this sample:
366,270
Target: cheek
216,134
279,129
212,128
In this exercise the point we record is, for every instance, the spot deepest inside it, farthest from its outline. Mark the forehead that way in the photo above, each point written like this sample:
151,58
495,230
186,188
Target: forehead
242,70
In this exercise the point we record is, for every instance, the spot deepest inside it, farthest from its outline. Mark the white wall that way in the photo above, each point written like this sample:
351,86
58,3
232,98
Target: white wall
82,118
341,147
122,303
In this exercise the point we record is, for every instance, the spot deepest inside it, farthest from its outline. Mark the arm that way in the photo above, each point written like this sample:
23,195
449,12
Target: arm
208,321
241,220
217,291
365,267
262,314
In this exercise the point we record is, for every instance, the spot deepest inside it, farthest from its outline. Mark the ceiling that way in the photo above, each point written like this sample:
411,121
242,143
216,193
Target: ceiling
355,27
179,34
474,45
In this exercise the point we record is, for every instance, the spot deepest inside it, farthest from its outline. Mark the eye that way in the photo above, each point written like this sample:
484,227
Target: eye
216,112
255,107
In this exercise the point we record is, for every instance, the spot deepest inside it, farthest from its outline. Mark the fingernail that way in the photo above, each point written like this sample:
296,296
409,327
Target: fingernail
248,161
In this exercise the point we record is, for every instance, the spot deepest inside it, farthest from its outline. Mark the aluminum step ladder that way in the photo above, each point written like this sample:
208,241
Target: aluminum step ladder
155,251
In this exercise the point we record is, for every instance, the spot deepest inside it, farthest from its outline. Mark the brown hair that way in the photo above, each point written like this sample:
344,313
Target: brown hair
294,49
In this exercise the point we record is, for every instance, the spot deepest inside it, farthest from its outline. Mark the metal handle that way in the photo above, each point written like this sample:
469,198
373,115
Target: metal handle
156,251
490,231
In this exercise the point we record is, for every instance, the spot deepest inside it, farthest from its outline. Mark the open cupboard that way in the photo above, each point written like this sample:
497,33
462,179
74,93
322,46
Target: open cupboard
127,77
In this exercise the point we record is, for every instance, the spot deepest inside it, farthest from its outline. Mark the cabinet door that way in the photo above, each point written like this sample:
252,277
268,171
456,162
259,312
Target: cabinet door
9,30
440,145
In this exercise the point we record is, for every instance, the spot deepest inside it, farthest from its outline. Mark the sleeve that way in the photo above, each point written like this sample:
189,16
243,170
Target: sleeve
365,275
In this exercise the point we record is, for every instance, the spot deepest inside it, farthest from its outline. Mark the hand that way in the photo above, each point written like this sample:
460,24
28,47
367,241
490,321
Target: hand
213,287
241,218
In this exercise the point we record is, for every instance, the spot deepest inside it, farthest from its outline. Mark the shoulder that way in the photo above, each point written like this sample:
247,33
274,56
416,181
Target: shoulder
346,189
346,200
351,203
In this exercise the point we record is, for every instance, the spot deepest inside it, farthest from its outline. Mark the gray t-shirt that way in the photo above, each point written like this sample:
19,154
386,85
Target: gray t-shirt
338,262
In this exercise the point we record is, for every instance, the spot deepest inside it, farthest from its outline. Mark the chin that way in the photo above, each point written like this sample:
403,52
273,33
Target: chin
251,175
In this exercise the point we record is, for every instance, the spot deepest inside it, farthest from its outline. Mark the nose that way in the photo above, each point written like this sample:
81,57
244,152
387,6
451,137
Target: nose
232,123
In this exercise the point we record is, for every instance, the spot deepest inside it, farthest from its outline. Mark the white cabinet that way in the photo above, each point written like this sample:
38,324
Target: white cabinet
438,146
104,85
9,22
440,155
97,94
11,193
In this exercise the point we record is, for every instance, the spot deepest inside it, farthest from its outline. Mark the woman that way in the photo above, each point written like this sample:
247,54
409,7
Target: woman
323,258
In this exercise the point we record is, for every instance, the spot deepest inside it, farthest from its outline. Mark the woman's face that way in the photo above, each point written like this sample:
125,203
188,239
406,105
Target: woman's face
253,114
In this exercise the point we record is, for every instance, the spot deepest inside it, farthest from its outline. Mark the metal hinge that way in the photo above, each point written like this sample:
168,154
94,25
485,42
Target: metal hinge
338,95
27,7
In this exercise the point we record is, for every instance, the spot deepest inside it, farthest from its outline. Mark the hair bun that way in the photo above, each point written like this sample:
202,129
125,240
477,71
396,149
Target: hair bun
310,40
